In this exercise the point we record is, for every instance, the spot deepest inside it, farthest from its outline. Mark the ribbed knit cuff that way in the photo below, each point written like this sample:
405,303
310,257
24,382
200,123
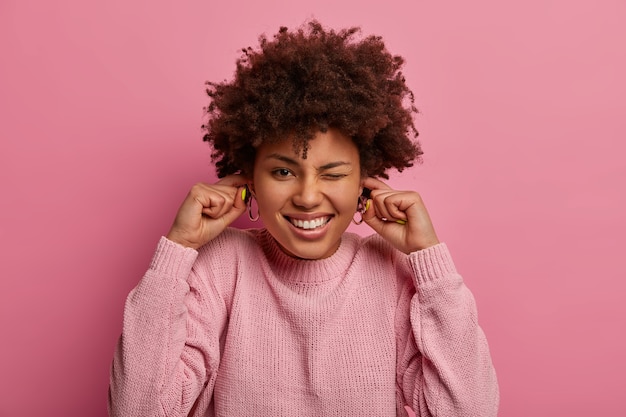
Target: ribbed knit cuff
173,259
432,263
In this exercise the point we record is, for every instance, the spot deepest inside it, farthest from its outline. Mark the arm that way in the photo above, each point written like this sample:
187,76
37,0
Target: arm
169,348
444,366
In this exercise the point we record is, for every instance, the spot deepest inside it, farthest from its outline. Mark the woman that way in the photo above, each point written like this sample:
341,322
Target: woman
301,318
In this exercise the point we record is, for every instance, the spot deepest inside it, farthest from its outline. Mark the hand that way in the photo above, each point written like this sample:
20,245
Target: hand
207,211
399,216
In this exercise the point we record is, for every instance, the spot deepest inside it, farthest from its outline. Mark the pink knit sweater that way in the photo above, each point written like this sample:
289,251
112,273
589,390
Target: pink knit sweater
240,329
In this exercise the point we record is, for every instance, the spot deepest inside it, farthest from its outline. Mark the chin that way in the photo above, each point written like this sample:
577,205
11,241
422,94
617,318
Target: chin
311,251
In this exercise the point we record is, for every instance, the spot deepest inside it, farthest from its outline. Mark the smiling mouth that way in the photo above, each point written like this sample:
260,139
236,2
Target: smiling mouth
309,224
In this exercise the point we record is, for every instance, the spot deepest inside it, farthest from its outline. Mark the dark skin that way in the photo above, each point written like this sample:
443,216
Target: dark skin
400,217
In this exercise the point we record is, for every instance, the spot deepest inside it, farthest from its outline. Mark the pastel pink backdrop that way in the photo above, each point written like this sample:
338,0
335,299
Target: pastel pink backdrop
522,120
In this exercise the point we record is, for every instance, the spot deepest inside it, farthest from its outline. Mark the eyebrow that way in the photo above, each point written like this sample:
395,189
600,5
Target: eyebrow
293,162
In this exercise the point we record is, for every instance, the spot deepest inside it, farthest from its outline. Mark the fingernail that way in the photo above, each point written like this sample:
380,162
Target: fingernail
403,222
367,204
243,194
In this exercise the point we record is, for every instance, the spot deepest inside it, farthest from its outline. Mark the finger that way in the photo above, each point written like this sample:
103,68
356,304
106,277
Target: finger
375,184
226,199
239,202
212,200
217,206
237,209
379,201
377,222
380,191
397,205
371,217
234,180
222,201
226,194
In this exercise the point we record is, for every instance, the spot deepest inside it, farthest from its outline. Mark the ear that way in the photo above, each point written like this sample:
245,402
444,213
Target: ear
250,186
361,187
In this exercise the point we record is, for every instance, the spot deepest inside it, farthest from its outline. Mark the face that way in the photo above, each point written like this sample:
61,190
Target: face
307,204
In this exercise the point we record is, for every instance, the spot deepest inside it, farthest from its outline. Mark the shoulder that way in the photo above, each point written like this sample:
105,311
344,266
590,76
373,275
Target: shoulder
375,252
222,254
222,261
230,243
382,266
374,246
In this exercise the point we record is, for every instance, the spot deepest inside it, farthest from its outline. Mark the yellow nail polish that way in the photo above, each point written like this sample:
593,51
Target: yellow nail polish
367,204
402,222
243,194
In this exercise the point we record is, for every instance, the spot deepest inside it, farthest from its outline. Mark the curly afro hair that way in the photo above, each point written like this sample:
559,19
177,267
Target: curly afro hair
309,80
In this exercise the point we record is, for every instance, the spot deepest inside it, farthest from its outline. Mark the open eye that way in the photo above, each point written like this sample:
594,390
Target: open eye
282,173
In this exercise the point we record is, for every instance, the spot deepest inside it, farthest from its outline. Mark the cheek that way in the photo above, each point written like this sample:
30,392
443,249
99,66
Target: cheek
346,199
270,198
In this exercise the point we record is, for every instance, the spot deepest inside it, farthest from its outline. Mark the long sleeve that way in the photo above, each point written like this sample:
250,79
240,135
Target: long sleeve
296,337
165,360
444,365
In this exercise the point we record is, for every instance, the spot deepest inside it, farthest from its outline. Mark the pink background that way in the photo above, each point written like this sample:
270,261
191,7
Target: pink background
522,119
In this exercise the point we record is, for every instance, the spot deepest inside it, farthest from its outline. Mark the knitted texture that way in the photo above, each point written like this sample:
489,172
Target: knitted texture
238,328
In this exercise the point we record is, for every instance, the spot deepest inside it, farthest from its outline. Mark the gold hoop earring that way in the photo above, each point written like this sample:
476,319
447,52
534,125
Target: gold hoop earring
360,209
249,198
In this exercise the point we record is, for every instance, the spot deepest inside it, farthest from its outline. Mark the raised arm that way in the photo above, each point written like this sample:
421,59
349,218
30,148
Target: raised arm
166,359
444,365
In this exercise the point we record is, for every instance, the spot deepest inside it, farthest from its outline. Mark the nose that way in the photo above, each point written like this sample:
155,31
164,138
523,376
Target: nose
308,195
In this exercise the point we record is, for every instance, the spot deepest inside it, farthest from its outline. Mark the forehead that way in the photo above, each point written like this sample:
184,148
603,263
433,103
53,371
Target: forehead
324,147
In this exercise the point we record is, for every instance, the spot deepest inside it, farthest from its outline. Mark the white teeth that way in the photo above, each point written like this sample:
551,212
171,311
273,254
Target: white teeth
309,224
